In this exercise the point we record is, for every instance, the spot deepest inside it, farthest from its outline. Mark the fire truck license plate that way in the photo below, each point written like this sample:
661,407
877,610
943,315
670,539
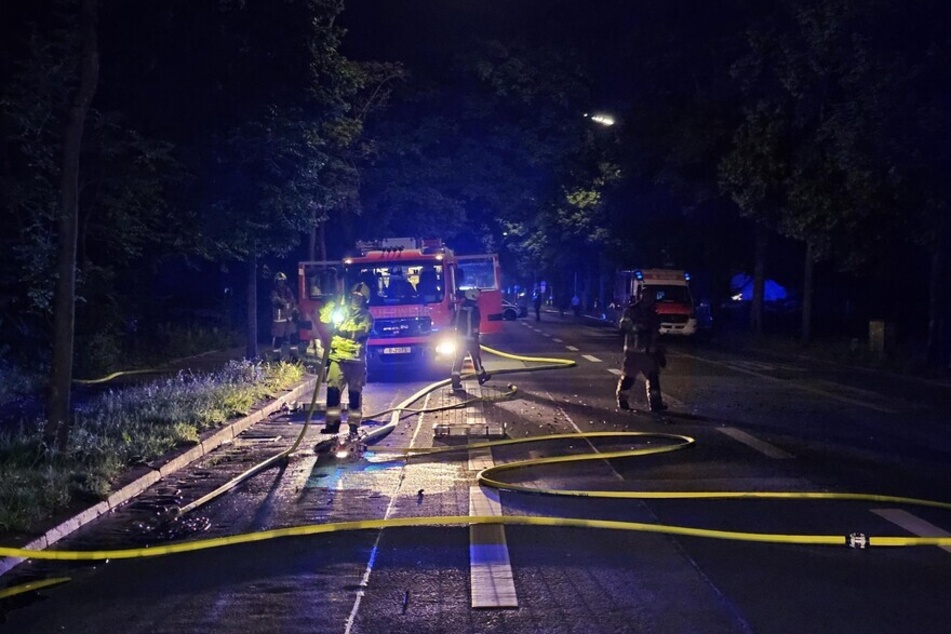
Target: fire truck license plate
402,350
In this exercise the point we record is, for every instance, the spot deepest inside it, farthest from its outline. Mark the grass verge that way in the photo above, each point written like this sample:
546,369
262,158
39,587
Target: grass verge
118,429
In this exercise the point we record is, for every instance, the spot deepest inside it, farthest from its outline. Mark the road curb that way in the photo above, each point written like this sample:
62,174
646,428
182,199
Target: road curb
136,487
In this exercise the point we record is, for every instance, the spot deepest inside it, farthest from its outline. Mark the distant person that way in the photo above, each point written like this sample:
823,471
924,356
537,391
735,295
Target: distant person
576,305
537,303
465,323
283,316
641,327
345,326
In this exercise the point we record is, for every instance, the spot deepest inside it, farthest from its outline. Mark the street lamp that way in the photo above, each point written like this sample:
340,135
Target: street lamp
604,119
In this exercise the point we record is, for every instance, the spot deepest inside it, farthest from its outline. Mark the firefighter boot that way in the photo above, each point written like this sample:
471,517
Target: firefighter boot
332,421
624,385
483,377
354,411
654,397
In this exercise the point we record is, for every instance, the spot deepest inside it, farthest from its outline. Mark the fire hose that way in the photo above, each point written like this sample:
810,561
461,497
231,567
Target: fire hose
490,477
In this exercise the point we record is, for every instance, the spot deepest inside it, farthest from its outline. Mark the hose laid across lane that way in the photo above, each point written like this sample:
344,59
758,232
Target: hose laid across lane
489,477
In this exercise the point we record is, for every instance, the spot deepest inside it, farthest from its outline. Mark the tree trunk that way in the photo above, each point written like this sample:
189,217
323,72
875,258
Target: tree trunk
312,242
759,279
251,351
939,322
808,266
58,409
322,239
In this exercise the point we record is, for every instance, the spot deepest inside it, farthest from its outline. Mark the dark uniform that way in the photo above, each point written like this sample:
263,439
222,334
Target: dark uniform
465,323
641,326
348,356
283,315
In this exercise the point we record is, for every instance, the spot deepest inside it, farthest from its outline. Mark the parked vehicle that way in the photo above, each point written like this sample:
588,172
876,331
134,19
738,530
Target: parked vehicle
511,312
671,288
414,286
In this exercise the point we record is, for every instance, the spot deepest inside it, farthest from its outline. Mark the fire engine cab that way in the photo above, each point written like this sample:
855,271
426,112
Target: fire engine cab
415,285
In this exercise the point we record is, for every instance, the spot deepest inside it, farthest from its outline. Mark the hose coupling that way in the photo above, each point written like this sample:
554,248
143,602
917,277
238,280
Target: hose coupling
857,540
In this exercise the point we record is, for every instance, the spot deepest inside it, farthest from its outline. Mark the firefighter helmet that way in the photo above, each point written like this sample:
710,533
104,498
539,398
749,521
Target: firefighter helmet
473,294
280,277
361,289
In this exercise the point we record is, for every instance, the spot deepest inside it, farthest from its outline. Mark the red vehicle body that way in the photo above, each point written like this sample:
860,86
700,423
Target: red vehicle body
671,290
414,288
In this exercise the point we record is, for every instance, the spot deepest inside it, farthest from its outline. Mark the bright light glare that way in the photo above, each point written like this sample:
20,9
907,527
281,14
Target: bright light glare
342,453
603,119
738,297
339,316
446,347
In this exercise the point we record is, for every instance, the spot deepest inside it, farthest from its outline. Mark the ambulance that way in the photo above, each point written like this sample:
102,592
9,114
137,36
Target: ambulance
671,289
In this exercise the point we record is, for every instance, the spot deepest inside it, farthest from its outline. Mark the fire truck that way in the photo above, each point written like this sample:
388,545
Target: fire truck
415,285
671,288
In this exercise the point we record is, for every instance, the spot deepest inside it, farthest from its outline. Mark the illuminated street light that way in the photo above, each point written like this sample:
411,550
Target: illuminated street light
603,119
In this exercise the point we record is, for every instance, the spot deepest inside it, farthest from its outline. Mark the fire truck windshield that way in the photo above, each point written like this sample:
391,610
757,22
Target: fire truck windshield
400,283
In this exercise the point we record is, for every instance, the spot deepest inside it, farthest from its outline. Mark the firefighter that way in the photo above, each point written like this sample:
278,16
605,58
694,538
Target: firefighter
347,325
641,327
283,315
465,323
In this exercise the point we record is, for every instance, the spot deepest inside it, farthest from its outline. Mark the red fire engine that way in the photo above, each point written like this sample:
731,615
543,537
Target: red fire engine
414,288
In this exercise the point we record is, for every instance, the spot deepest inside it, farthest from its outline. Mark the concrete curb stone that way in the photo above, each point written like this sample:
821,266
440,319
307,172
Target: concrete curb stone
156,473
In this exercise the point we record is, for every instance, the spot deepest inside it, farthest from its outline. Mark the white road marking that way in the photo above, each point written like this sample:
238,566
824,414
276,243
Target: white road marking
751,441
795,385
572,348
913,524
591,358
557,340
615,371
490,570
578,429
491,580
389,511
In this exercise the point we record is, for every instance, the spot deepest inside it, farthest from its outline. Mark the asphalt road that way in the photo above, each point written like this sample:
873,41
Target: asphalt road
760,424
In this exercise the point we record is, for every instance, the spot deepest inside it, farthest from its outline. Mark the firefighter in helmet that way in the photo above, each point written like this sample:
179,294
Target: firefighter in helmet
283,315
465,323
642,354
345,326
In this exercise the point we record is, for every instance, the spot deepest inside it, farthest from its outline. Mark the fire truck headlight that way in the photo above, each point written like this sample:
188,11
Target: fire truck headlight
446,347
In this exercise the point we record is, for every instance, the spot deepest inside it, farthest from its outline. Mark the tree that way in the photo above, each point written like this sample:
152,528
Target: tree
496,146
64,299
285,158
825,98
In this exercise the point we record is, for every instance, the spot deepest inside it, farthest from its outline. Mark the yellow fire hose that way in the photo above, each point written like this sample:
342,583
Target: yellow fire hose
489,477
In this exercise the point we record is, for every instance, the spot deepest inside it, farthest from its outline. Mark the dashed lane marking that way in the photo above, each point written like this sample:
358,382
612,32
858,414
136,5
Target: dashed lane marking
795,385
913,524
591,358
763,447
572,348
557,340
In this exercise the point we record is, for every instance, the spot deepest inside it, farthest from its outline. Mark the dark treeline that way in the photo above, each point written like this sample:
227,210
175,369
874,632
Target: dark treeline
801,140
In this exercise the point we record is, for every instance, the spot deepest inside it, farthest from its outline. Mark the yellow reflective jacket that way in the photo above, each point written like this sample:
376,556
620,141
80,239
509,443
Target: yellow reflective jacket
349,340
